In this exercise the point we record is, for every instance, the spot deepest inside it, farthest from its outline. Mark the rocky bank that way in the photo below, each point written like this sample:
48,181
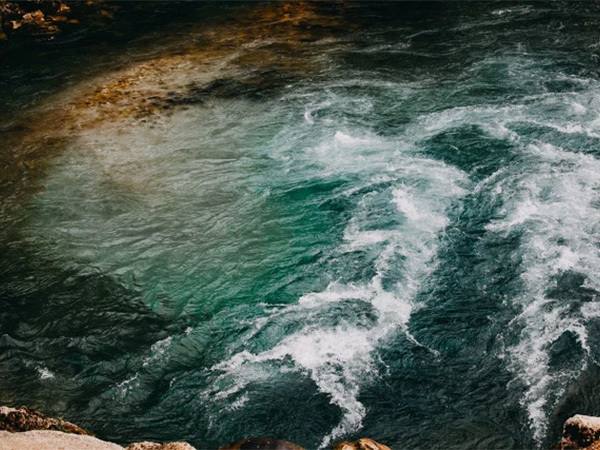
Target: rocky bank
24,428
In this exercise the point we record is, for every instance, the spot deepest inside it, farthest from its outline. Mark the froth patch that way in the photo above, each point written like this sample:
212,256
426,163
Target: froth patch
45,373
554,208
340,356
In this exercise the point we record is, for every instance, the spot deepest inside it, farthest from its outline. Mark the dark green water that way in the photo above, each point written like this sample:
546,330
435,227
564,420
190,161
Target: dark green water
381,220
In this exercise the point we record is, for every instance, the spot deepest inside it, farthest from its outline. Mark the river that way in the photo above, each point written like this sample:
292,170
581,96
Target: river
313,221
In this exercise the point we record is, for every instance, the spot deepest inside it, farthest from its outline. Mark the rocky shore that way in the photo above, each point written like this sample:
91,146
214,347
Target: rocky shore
24,428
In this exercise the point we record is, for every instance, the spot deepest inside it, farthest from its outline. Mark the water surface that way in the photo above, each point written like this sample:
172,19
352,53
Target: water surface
310,221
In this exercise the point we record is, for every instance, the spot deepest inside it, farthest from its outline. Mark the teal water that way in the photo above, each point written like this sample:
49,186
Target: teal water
380,220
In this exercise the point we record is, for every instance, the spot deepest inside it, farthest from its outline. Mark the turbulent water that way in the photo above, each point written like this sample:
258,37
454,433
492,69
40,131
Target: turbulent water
347,220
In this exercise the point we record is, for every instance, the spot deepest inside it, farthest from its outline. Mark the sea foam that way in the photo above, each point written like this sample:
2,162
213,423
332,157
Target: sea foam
340,358
555,208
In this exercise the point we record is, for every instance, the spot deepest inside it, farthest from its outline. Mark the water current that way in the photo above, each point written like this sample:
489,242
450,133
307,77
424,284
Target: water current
314,221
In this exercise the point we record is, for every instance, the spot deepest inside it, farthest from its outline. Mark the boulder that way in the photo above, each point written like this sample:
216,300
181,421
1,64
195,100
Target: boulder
581,432
25,419
18,424
63,9
33,17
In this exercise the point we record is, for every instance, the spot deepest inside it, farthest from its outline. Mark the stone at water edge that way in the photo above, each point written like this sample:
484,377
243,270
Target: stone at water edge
25,419
24,428
580,432
361,444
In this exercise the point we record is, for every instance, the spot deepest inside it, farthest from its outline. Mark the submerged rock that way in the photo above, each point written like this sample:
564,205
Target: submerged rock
361,444
25,419
581,432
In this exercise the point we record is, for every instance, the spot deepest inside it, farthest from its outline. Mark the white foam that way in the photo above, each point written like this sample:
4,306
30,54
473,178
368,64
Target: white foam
516,10
341,138
553,200
127,385
555,207
339,358
158,351
45,373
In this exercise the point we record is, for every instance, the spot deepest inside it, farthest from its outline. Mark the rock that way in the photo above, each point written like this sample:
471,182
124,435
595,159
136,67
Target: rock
63,9
581,432
344,446
155,446
52,440
261,444
33,17
25,419
25,428
361,444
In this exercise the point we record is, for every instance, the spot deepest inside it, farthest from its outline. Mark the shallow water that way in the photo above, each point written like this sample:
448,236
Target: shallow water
310,221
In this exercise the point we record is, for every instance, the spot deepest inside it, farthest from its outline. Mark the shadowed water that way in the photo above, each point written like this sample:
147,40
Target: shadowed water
316,222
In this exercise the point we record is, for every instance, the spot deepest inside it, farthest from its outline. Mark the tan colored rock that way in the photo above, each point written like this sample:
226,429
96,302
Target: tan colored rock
344,446
370,444
262,444
33,17
361,444
580,432
52,440
155,446
25,419
63,9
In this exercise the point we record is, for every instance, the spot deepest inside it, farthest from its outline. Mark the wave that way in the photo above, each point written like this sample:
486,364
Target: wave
553,207
339,355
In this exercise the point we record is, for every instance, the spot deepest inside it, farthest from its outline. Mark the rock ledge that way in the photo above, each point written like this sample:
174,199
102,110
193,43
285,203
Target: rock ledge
580,432
25,419
24,428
